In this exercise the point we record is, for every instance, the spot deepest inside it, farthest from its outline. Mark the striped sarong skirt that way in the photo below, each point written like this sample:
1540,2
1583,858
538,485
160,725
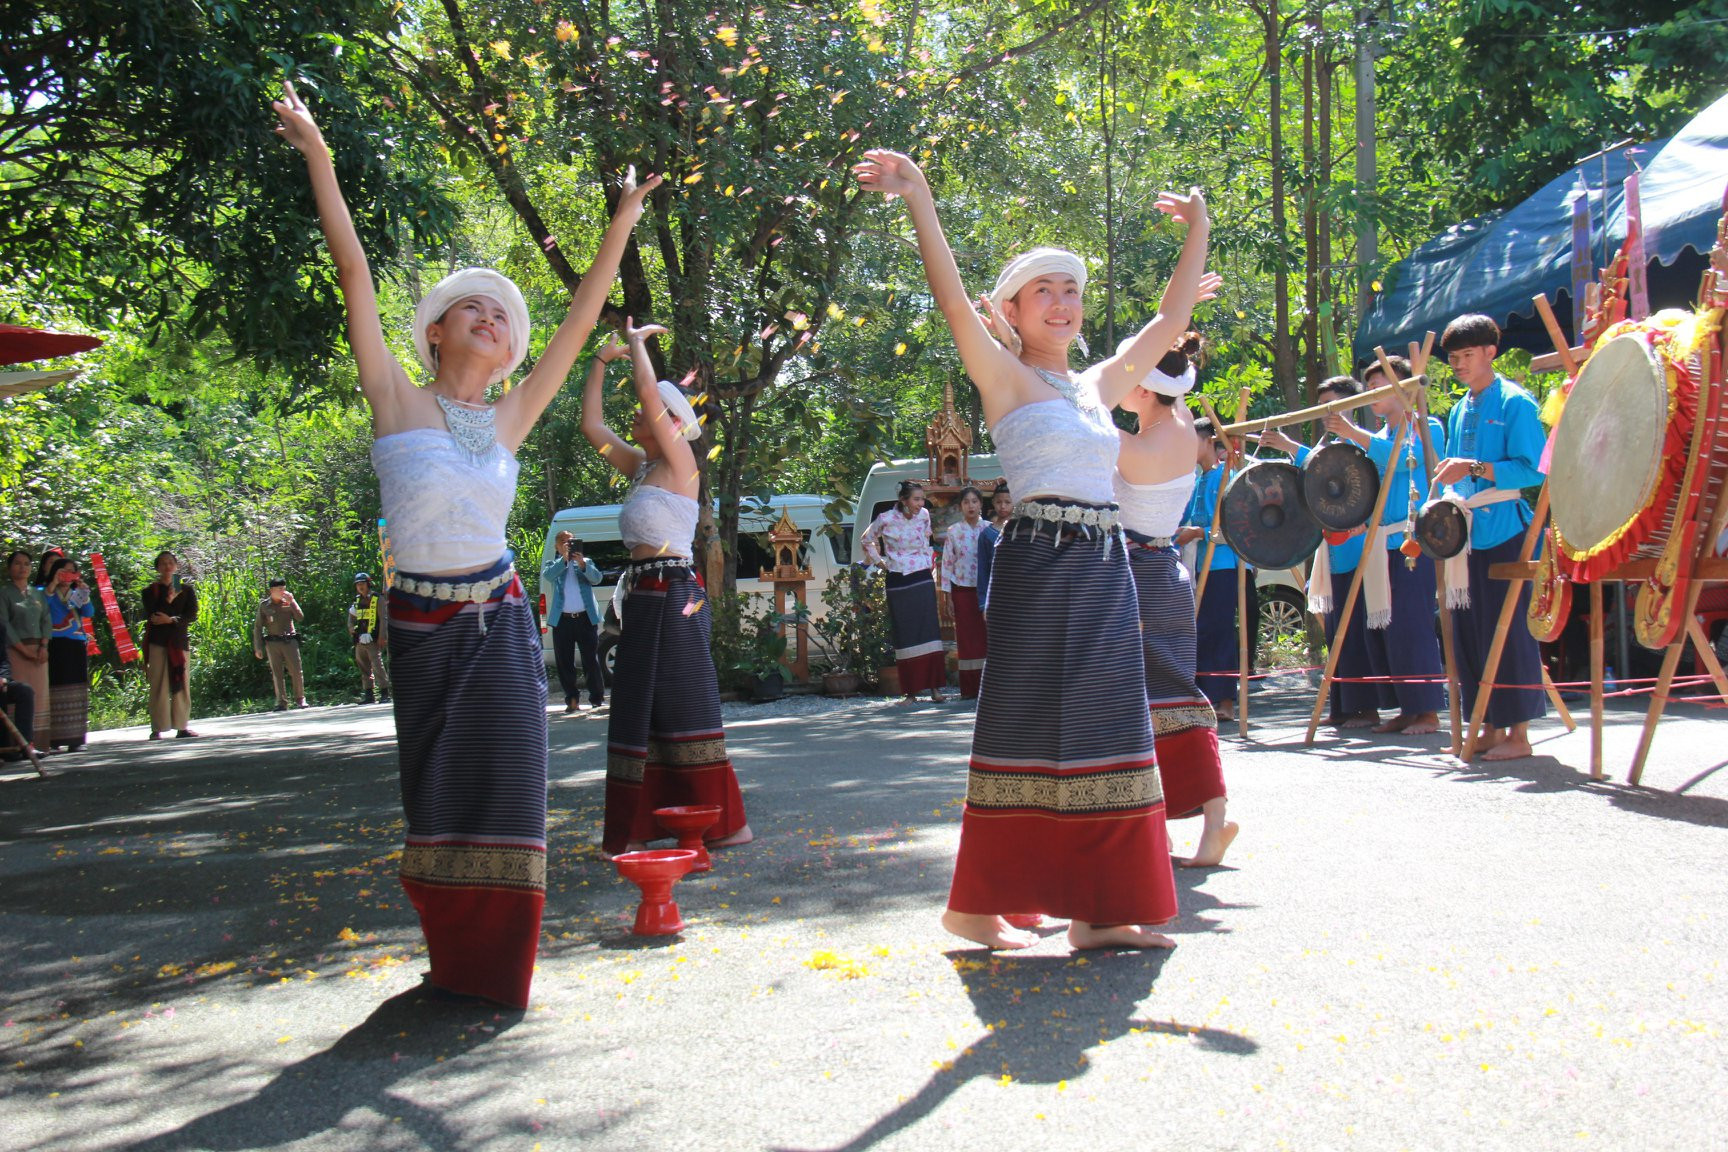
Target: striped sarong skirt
1184,726
68,714
665,746
1064,812
470,709
916,628
970,640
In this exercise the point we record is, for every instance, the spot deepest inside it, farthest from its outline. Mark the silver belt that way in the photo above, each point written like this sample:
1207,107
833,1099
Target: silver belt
639,569
1075,515
473,592
1154,542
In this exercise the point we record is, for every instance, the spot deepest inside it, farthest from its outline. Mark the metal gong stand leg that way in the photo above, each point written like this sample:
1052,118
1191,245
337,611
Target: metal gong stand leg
1349,606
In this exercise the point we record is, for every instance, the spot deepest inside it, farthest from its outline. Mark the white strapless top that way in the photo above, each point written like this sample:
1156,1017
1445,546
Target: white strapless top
1154,509
444,507
1057,448
660,517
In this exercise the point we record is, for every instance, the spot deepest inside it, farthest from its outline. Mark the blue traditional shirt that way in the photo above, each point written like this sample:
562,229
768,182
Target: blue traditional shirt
1503,427
1410,453
987,539
1201,507
1343,557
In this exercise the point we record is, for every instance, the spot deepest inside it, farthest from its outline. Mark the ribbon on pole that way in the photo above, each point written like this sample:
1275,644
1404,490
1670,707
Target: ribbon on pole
1637,280
123,645
1582,272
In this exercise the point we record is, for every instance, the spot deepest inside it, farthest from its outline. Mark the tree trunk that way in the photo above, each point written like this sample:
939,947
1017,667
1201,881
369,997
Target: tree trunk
1283,348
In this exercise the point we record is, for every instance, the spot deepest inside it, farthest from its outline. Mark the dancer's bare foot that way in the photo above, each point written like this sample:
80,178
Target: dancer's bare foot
742,836
1209,853
990,931
1028,921
936,696
909,698
1362,720
1425,724
1511,748
632,846
1489,739
1225,710
1396,724
1083,935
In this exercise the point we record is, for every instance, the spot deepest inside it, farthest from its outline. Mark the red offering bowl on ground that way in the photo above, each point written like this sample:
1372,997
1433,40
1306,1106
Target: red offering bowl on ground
688,822
654,873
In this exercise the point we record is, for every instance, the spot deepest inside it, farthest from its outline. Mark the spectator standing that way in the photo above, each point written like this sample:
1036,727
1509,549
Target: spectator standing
368,628
16,695
170,605
568,580
68,658
28,625
274,633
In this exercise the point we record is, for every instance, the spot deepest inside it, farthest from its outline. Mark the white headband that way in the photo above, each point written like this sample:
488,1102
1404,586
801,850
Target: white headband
1161,382
1029,266
460,285
678,406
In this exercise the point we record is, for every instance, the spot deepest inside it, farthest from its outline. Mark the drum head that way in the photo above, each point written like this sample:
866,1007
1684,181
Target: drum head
1264,516
1340,484
1608,447
1441,530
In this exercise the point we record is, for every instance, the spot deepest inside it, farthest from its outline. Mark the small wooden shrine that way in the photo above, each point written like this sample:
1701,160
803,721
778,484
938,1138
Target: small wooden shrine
789,579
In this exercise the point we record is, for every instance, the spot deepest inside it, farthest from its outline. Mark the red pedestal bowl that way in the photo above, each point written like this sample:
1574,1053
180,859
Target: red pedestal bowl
688,822
655,872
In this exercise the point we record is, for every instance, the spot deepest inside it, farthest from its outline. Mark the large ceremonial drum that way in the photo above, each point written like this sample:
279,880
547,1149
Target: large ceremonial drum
1340,485
1640,444
1265,518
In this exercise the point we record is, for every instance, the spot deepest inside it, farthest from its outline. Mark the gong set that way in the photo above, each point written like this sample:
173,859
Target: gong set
1276,514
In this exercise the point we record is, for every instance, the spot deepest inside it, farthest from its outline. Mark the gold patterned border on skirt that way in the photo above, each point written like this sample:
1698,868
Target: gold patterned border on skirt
1099,792
687,753
1169,721
475,865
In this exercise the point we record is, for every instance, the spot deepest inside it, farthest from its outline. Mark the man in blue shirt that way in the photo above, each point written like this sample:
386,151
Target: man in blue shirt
1494,443
1216,662
567,581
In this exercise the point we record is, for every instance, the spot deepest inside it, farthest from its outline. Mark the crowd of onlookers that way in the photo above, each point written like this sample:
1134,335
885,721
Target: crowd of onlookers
47,617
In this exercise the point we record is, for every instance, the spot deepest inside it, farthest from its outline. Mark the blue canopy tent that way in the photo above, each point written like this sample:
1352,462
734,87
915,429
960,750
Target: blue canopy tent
1495,264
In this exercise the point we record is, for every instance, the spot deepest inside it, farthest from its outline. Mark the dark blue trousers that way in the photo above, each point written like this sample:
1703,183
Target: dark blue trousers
1410,645
1215,654
1473,633
1349,699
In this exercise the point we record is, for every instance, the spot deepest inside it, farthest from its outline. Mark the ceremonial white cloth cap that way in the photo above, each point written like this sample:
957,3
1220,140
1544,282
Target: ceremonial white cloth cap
1028,266
459,285
678,405
1161,383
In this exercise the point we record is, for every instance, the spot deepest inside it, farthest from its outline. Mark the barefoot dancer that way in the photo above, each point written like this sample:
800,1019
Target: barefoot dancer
1154,482
1064,815
960,581
665,745
912,618
470,682
1494,443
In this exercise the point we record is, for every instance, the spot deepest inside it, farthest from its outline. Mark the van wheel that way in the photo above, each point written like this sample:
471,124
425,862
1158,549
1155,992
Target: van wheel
1283,617
608,657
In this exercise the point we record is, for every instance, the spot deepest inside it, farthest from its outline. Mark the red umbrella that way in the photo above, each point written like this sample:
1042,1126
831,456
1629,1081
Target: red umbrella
19,344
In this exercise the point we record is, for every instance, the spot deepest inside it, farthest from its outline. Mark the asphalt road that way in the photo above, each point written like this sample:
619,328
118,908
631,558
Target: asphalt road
205,948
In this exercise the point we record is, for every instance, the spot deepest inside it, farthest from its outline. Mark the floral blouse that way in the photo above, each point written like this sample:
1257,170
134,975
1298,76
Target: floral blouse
960,554
907,541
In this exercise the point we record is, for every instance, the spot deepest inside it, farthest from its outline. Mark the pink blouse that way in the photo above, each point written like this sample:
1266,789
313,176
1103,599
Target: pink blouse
960,554
906,542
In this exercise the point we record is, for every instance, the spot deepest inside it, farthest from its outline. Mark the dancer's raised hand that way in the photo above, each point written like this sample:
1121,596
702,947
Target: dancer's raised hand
1190,209
998,325
890,173
297,126
639,336
1209,285
634,196
612,350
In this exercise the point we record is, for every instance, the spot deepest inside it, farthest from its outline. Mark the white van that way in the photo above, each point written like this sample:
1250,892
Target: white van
1282,599
596,525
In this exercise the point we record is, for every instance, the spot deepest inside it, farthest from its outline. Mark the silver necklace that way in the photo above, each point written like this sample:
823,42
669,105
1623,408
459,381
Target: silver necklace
1070,390
474,427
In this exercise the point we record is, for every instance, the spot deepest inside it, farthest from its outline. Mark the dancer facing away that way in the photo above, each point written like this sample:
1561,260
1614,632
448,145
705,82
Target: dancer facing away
1064,815
665,745
470,684
1154,482
1354,702
1494,443
908,563
960,581
1001,510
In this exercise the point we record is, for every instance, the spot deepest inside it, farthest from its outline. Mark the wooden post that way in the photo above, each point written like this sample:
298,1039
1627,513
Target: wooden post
28,748
1492,667
1596,688
1349,606
1707,655
1559,704
1217,509
1243,624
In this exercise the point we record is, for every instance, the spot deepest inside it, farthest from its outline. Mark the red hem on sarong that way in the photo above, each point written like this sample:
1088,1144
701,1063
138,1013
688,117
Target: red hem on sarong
970,637
630,806
1097,868
481,941
1191,769
922,673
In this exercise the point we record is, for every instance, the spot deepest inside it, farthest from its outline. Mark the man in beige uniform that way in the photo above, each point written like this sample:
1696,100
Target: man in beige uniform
273,632
367,628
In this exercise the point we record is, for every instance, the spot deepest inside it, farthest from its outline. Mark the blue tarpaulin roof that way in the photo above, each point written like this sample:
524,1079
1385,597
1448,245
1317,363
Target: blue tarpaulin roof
1495,264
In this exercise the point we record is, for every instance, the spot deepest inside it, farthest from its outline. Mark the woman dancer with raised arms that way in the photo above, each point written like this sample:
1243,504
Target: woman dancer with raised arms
1064,813
1154,481
469,677
665,745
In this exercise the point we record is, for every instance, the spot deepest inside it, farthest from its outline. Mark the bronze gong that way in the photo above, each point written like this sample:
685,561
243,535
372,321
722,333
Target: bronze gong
1441,530
1265,519
1340,484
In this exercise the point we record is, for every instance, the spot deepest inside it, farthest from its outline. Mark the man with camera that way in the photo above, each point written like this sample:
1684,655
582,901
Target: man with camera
367,629
568,580
274,632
